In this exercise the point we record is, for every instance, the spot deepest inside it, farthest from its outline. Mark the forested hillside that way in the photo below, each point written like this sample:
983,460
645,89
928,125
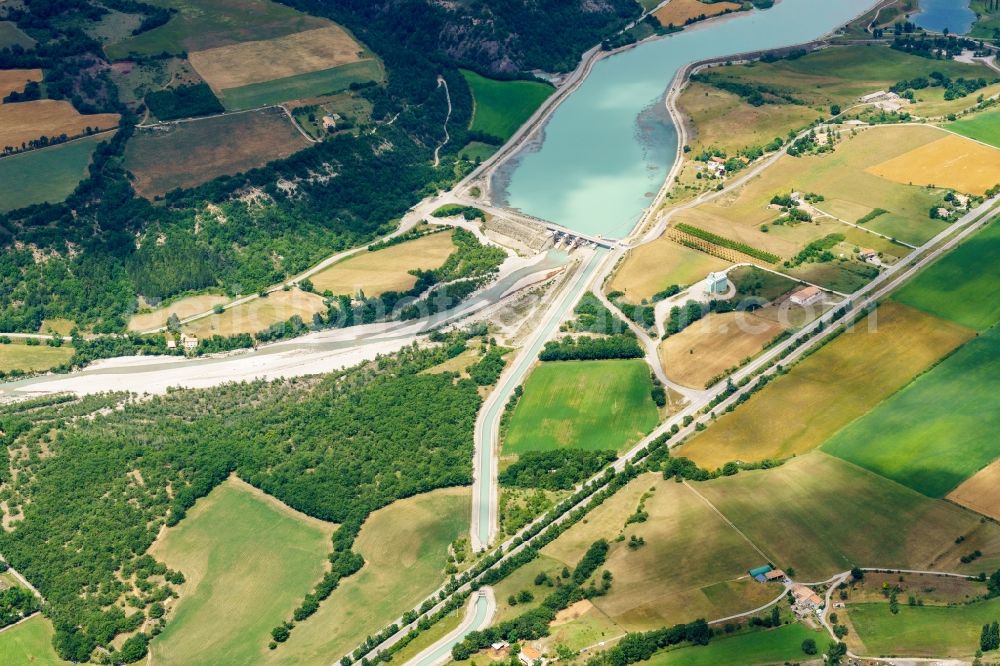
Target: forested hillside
97,478
89,258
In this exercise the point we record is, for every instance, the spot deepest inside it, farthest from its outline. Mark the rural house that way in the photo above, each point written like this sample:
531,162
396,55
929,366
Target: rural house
529,656
807,296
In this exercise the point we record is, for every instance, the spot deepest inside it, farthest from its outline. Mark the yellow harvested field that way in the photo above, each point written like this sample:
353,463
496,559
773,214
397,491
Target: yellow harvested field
679,12
713,344
655,266
952,161
981,492
26,121
386,269
12,80
183,308
258,314
266,60
842,381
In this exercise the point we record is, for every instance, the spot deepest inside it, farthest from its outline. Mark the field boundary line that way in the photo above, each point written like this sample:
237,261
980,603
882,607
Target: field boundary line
728,522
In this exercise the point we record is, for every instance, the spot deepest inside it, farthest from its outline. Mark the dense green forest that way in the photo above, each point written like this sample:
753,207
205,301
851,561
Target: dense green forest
91,493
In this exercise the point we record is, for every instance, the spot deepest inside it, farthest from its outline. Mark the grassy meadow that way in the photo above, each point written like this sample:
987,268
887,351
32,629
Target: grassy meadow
258,314
183,308
815,513
405,546
189,154
772,646
31,358
204,24
837,384
921,631
11,35
29,644
503,106
387,269
669,579
983,127
45,175
939,430
248,561
582,404
961,286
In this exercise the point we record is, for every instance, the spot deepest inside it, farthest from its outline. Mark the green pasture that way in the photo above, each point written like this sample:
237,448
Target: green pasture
11,35
311,84
939,430
593,405
983,127
29,644
248,561
503,106
773,646
961,286
45,175
32,358
922,631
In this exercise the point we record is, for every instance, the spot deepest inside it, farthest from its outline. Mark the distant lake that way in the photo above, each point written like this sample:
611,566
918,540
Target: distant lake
936,15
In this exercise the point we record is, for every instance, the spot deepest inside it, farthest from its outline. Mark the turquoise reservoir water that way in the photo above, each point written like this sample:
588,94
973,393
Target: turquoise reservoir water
937,15
608,147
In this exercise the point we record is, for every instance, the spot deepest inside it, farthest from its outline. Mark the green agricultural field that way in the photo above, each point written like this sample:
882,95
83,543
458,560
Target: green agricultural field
11,35
583,404
961,286
503,106
29,358
405,546
939,430
249,560
46,175
921,631
773,646
983,127
29,644
203,24
311,84
841,382
815,513
988,24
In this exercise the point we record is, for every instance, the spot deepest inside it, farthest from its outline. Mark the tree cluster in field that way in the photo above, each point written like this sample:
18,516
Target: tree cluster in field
586,349
937,47
640,646
561,469
642,314
534,623
487,370
88,519
818,251
186,101
989,639
17,603
593,317
452,210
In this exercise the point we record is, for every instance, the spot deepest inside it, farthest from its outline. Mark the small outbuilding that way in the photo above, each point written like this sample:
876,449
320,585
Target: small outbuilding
529,656
717,283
